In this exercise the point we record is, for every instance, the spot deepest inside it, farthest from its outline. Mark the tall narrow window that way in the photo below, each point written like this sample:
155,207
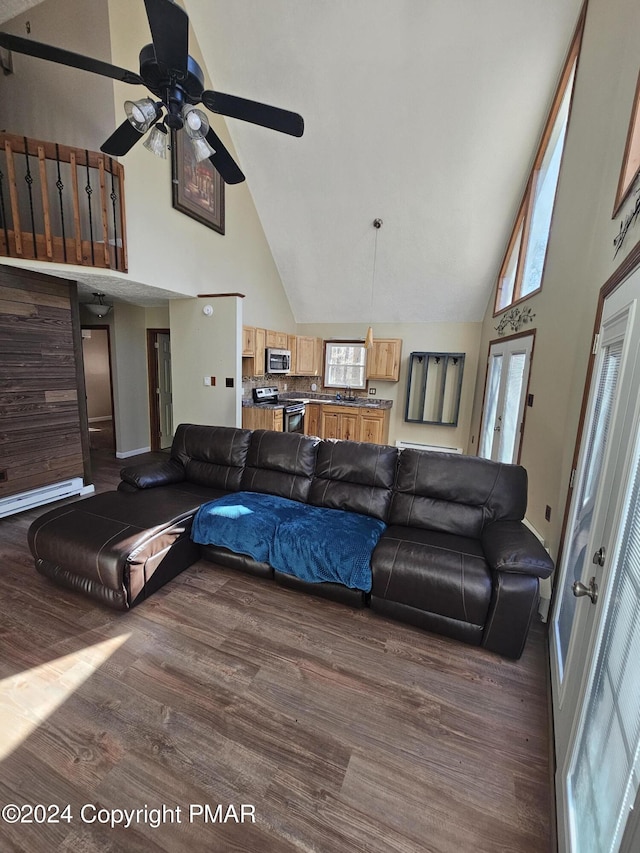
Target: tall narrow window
523,266
631,160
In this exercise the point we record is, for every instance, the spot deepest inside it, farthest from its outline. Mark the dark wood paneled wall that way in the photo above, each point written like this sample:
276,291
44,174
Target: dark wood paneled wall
43,420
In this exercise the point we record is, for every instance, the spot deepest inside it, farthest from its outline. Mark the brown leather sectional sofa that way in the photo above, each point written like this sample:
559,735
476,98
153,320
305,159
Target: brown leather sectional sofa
455,557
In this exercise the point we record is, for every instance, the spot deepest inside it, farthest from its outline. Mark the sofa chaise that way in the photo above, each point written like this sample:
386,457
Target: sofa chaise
453,557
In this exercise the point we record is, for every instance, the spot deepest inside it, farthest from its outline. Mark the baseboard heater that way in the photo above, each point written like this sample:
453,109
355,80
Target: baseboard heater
437,447
44,495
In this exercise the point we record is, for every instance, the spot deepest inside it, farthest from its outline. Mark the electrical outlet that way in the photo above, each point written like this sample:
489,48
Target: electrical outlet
372,392
547,513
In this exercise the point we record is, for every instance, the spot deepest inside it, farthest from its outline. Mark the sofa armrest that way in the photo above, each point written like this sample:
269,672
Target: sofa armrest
509,546
147,475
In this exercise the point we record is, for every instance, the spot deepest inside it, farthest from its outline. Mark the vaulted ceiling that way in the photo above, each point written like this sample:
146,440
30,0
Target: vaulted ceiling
423,113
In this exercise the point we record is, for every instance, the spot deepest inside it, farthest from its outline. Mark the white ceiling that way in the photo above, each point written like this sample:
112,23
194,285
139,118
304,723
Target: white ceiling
424,113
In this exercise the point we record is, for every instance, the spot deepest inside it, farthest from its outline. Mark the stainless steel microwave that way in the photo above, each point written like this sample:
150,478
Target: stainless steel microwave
278,361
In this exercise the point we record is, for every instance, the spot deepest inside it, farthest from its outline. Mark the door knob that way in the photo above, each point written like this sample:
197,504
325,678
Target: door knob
599,557
579,589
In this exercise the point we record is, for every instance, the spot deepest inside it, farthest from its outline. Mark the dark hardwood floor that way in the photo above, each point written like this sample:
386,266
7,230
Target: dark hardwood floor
342,730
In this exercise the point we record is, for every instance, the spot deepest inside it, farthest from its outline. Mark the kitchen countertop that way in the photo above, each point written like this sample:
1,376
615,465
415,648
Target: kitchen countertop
359,402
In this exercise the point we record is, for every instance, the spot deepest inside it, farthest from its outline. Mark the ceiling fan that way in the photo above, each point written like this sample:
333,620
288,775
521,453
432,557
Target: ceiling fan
176,79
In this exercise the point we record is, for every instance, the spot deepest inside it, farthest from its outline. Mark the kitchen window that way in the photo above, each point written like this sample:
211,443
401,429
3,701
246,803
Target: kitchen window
345,364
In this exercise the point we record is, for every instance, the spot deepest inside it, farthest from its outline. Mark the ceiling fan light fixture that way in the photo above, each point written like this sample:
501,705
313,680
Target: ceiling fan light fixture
196,123
201,149
141,114
99,308
156,142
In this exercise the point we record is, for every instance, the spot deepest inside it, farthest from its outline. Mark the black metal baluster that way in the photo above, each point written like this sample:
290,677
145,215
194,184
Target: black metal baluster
3,216
29,181
60,187
89,190
114,198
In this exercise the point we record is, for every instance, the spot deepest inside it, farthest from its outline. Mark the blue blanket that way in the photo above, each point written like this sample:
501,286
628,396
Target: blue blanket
312,543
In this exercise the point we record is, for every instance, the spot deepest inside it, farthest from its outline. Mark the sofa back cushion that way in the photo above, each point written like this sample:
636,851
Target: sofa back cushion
280,463
456,494
212,456
354,475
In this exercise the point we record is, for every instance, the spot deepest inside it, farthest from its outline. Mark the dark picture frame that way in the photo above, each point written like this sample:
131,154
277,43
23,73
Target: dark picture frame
197,188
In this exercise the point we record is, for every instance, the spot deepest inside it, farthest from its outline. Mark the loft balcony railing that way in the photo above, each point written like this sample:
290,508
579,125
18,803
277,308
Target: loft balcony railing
61,204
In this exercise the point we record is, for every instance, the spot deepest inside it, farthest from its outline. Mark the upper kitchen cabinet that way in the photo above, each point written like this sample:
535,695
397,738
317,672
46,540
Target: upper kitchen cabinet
383,359
276,340
248,341
306,356
253,348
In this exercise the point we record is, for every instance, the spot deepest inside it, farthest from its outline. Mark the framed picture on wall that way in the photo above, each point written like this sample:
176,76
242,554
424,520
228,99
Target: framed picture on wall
198,189
631,160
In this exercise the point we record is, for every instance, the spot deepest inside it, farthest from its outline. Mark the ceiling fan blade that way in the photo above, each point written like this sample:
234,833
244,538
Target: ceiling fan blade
121,140
169,25
229,170
67,57
253,111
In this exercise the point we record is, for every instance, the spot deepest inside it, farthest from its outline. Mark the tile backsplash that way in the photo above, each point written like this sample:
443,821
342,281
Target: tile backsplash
297,384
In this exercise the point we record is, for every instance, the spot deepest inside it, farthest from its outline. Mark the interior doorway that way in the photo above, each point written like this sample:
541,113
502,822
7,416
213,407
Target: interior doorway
160,392
96,353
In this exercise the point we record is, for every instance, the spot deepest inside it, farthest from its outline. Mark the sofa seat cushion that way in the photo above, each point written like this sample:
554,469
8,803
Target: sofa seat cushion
314,544
436,572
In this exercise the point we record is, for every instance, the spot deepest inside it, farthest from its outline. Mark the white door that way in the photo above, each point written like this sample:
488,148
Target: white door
506,388
595,639
165,398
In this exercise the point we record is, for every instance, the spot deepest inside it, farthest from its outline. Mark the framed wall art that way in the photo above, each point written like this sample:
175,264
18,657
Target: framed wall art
198,189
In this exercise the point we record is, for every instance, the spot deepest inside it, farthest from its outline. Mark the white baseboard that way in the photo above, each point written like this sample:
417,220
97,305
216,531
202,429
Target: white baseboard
125,454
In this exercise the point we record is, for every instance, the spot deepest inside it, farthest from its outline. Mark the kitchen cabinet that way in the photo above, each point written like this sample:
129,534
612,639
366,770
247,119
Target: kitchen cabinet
254,417
383,359
253,346
354,423
258,368
341,422
308,356
276,340
374,426
313,419
248,341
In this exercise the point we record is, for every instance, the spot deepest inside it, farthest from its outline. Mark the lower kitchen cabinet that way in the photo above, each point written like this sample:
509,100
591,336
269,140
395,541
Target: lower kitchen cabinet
374,426
256,418
313,419
355,423
341,422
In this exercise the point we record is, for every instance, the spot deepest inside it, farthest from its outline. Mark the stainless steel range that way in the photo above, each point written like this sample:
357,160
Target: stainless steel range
293,410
